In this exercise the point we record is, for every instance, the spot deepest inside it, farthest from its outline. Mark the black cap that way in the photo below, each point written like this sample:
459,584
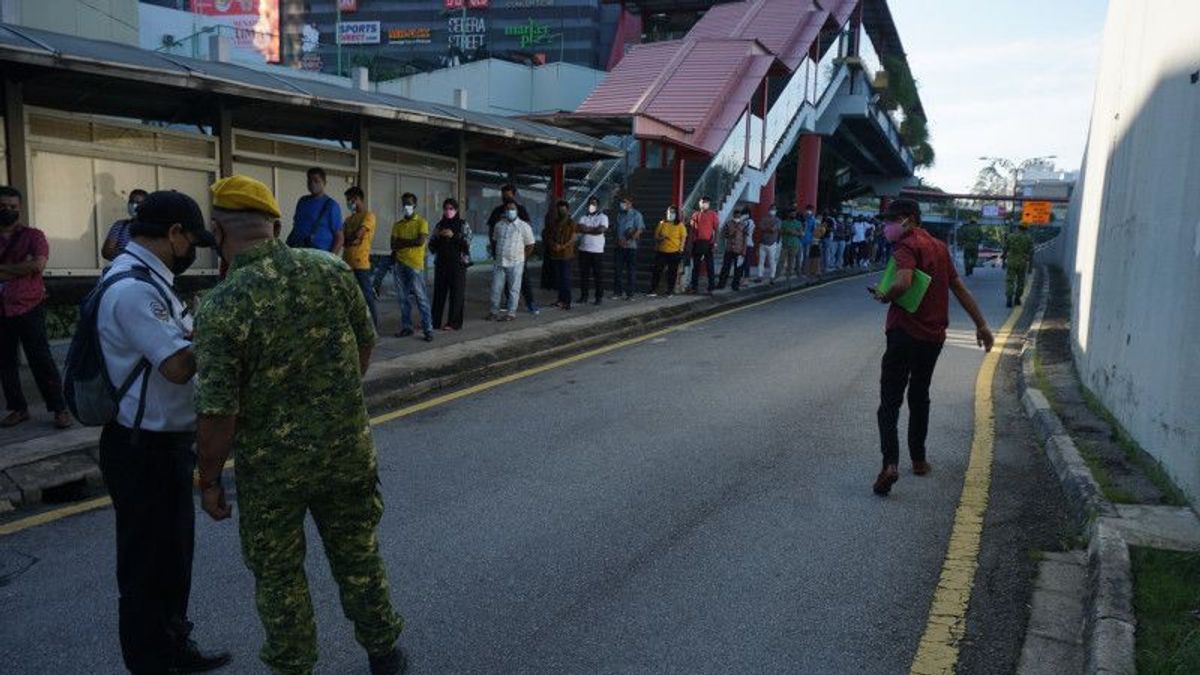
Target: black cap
901,208
167,207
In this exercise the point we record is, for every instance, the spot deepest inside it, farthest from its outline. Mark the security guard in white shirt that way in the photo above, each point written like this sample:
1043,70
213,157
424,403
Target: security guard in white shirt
146,453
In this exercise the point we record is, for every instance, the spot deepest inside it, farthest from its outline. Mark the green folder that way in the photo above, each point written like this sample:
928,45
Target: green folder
912,298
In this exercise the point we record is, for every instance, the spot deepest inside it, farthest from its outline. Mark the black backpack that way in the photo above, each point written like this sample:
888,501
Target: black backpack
90,394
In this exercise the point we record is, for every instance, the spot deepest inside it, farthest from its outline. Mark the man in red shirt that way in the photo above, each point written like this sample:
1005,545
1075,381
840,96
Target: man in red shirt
23,255
914,340
702,229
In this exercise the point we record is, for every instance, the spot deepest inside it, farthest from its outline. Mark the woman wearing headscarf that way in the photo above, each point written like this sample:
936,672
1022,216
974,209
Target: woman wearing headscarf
451,247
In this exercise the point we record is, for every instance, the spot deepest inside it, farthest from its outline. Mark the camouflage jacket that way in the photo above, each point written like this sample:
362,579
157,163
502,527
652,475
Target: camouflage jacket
1018,249
277,345
969,236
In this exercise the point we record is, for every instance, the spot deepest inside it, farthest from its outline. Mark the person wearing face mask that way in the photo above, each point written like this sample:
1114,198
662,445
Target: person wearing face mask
915,339
591,250
734,236
702,229
669,238
360,233
514,242
118,234
768,248
23,255
630,226
451,248
146,453
409,235
508,195
559,238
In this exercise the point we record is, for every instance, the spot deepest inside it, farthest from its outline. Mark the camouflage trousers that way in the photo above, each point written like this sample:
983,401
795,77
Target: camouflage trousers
1014,282
970,258
271,522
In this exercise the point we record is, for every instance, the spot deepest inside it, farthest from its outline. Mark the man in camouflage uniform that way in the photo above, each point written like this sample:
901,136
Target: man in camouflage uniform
281,347
1018,253
968,238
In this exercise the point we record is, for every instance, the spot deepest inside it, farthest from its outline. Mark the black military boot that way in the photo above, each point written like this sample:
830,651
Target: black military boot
189,659
392,663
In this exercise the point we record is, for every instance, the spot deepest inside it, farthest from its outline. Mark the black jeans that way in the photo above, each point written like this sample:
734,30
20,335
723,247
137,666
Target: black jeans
150,480
731,262
670,261
562,280
449,285
703,250
29,331
907,363
591,265
623,272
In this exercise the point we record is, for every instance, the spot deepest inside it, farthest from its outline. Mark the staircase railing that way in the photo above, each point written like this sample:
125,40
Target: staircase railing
599,178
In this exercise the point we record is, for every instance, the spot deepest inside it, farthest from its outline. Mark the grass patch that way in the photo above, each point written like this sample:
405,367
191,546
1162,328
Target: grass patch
1172,495
1100,472
1166,598
1041,381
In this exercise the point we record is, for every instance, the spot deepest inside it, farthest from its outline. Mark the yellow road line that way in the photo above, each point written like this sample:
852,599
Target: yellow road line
102,502
937,653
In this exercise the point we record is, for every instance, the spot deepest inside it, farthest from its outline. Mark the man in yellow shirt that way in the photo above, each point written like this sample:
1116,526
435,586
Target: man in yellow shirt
359,230
409,237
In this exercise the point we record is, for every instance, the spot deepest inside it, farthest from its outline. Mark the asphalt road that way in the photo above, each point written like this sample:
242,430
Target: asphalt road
697,503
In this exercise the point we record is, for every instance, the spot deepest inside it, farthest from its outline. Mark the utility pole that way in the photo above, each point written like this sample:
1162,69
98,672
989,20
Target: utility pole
337,31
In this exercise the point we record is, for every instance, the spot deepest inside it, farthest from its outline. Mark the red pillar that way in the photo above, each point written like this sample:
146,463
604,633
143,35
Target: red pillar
766,198
677,181
808,169
558,175
884,201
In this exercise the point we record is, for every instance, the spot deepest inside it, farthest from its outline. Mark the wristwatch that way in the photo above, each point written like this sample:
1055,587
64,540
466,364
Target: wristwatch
206,484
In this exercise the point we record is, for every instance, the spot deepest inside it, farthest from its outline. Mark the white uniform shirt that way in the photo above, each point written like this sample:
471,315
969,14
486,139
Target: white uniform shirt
593,243
135,324
860,231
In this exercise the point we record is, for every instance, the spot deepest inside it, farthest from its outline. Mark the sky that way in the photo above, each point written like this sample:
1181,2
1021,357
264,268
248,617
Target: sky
1004,78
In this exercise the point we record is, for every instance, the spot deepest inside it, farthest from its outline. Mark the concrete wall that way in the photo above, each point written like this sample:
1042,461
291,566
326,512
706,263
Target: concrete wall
502,87
112,20
1132,245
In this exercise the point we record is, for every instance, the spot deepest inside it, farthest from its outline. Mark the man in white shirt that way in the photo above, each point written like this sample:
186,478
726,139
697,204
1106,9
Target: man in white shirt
859,241
514,242
591,249
146,453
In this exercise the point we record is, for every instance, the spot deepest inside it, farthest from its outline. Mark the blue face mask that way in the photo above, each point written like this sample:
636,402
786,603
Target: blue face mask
511,214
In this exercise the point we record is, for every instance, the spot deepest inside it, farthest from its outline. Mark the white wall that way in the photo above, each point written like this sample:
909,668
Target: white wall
112,20
1132,245
501,87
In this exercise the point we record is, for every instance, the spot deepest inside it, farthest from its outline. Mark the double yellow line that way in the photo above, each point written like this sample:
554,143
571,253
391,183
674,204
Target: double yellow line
103,502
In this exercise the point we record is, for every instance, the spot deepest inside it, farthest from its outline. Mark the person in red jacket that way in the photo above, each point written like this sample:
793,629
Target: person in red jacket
914,340
702,230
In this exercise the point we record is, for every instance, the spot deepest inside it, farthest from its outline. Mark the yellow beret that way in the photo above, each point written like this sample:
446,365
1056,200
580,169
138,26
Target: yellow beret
243,193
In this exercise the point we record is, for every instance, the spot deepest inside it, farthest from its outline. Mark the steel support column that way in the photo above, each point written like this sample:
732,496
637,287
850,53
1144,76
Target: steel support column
677,185
14,142
558,174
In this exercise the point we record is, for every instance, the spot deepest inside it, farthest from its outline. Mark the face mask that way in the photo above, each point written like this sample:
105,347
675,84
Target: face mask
8,217
408,210
892,231
449,214
512,214
703,206
350,207
592,208
671,215
772,212
132,207
624,207
181,264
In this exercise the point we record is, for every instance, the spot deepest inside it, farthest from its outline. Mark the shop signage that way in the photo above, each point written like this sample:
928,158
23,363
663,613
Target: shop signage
531,33
418,35
359,33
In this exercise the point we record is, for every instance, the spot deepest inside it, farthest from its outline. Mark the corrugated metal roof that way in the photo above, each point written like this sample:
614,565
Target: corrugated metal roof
700,80
627,86
786,28
19,44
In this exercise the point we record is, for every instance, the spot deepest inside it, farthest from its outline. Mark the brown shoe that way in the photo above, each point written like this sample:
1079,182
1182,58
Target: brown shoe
62,420
921,468
14,418
886,479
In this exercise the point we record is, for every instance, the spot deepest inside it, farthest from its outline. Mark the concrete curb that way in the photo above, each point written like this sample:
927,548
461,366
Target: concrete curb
51,461
1109,622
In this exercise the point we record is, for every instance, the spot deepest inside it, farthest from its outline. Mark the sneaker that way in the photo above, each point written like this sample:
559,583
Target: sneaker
407,332
535,310
189,659
921,468
392,663
885,480
652,295
508,317
428,336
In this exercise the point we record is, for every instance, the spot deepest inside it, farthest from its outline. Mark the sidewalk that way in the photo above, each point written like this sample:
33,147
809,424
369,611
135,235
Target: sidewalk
1082,617
35,457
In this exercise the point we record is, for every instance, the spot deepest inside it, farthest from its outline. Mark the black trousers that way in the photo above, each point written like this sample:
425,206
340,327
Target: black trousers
449,285
703,251
669,261
591,265
907,363
728,263
150,480
29,331
624,271
562,280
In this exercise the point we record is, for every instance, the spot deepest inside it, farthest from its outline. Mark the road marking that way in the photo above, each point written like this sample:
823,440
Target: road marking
937,653
102,502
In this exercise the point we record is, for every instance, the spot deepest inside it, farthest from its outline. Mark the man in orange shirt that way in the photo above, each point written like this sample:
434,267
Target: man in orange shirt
359,231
